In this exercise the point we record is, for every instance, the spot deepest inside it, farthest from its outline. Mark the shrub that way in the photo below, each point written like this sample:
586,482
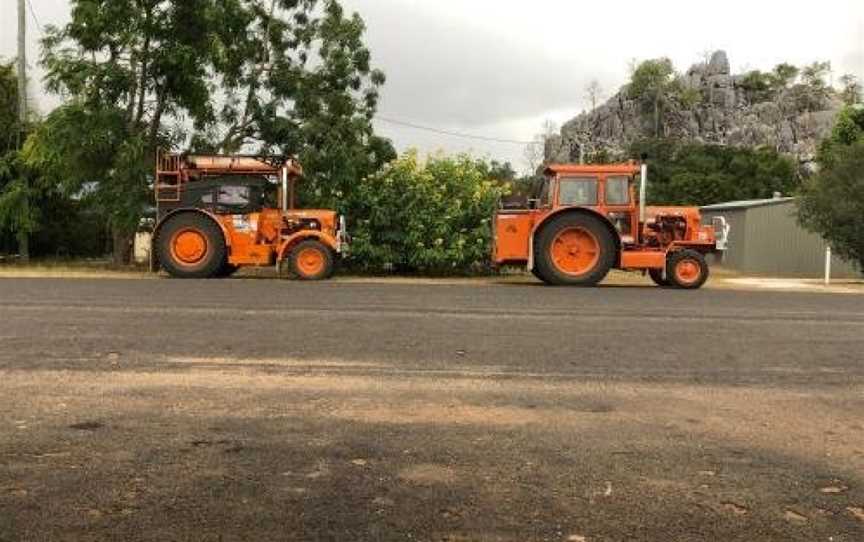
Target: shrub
433,217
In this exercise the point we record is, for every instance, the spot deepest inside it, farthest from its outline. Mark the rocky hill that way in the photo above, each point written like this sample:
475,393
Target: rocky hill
711,105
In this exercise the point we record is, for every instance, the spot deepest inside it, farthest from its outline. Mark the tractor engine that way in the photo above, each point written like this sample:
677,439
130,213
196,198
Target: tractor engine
665,230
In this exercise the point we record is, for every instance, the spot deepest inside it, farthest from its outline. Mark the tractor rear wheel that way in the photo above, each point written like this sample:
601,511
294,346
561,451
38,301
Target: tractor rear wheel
191,246
687,270
658,278
227,270
574,250
311,260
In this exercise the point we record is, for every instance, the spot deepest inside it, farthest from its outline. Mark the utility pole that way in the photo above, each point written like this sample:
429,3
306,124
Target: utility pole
23,235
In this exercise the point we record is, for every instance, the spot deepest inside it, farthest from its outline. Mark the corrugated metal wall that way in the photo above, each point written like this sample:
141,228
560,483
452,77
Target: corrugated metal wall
768,240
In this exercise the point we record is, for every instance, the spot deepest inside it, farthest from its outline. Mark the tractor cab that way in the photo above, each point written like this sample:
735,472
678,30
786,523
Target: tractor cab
216,214
584,220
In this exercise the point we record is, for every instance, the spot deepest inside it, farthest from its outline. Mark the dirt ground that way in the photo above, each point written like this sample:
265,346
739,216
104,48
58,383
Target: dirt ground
269,410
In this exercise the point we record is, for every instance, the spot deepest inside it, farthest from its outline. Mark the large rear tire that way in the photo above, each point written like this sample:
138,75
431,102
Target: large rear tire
687,270
658,278
191,246
227,270
574,250
311,261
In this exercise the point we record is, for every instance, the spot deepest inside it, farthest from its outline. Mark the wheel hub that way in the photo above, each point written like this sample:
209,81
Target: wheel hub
310,262
575,251
687,271
189,246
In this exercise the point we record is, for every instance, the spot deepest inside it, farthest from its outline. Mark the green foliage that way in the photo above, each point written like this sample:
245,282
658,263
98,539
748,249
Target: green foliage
758,86
851,93
848,128
813,92
130,69
650,78
652,82
15,194
814,74
9,128
94,157
432,217
832,202
689,97
655,83
299,81
696,174
784,75
765,86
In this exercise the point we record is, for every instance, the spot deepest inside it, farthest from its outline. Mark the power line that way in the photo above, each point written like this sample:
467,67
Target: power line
450,133
35,18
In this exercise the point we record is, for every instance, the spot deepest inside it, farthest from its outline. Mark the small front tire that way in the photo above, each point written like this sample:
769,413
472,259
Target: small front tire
311,261
687,270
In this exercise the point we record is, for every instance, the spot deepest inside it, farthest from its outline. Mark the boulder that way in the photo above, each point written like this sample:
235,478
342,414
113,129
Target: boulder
724,116
719,64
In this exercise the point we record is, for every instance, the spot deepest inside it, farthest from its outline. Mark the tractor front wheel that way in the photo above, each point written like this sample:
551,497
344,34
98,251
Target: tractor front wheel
191,246
574,250
312,261
687,270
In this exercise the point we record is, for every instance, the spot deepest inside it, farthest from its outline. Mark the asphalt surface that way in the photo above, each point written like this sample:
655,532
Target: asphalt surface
271,410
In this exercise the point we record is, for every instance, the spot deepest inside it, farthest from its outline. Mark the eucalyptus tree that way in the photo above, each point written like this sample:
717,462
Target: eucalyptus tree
298,79
132,73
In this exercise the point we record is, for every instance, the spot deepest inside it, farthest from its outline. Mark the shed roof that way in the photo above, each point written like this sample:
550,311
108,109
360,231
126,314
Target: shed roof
746,204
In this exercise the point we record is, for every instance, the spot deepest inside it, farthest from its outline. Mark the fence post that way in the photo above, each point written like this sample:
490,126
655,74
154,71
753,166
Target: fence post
828,266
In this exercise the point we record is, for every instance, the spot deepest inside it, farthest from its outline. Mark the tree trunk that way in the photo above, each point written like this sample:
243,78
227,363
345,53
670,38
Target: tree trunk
24,246
657,115
122,253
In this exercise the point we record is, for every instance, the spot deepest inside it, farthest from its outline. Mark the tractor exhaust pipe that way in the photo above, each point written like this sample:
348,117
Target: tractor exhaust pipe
643,191
284,189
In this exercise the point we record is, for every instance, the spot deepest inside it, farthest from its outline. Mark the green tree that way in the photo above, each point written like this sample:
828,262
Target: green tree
697,174
848,129
133,70
851,92
9,121
832,202
432,217
814,91
758,86
19,212
653,81
298,80
783,76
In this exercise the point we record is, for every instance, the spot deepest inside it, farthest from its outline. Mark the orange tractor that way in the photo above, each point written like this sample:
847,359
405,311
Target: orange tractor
585,220
216,214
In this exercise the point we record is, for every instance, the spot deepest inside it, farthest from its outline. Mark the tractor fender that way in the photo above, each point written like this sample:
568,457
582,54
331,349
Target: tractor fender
572,210
294,240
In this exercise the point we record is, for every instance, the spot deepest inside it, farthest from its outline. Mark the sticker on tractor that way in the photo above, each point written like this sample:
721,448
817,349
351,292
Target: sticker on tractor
241,223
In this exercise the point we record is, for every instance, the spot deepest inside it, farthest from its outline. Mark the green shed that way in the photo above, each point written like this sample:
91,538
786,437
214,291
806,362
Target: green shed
766,239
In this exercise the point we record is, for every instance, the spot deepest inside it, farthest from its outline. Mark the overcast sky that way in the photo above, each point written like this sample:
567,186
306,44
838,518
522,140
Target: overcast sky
499,68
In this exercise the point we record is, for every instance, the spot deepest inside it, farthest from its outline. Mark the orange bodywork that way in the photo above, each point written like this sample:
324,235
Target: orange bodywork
641,245
259,238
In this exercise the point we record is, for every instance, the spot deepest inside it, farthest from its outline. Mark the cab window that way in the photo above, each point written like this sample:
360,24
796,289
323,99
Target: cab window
234,196
577,191
543,193
617,191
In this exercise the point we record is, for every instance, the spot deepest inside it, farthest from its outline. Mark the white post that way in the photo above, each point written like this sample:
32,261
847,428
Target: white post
643,192
828,266
284,180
